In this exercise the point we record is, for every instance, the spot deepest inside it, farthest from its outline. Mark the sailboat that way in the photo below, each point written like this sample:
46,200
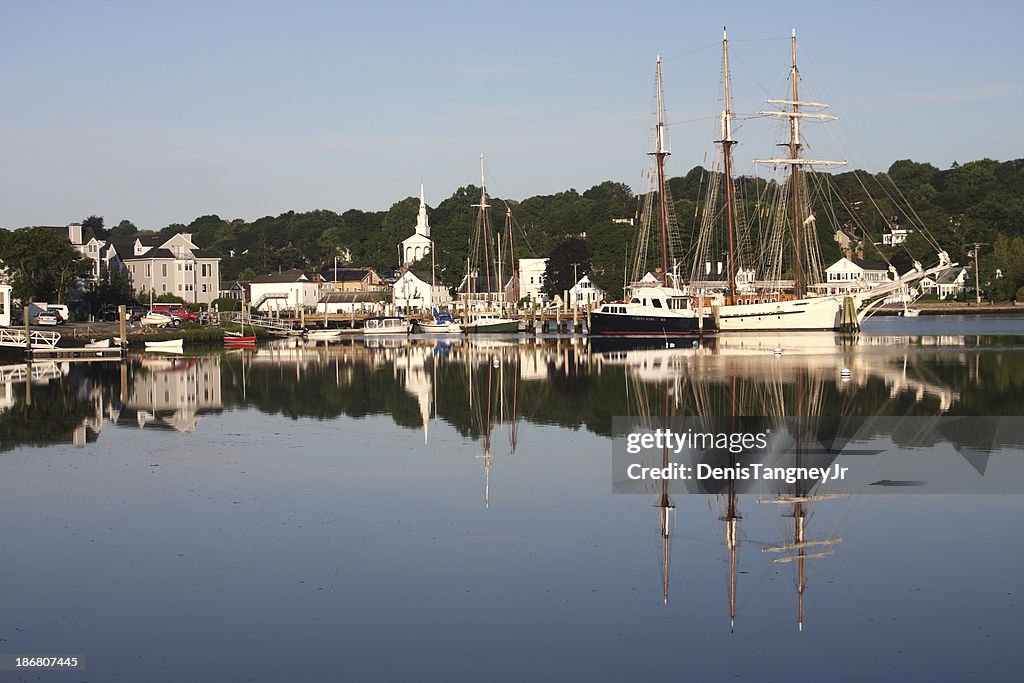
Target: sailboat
493,287
441,322
775,303
654,307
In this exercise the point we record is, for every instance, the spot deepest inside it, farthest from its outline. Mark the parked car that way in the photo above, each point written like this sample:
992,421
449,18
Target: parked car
48,319
177,310
110,314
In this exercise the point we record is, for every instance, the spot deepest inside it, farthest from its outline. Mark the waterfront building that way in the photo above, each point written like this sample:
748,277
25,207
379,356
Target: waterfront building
949,285
585,293
531,279
288,290
172,265
332,302
853,274
5,305
413,291
352,280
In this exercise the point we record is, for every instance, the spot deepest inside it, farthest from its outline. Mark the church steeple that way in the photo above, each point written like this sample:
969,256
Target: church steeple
422,224
417,245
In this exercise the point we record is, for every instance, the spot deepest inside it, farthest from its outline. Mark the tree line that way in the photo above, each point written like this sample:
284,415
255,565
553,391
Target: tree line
976,202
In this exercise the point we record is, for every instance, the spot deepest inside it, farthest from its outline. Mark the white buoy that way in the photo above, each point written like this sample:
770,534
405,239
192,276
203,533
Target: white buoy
497,363
777,351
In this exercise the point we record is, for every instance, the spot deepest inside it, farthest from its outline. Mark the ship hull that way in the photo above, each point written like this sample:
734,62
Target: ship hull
797,315
491,326
627,325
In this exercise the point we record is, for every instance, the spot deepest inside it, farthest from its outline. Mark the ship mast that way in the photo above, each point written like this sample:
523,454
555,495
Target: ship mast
727,142
659,154
665,509
796,164
794,178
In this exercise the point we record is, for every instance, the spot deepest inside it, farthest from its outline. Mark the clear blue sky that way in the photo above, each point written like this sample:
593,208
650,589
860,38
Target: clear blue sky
161,112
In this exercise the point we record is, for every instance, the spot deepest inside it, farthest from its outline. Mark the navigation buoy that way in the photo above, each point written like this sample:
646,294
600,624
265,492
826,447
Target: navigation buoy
844,374
777,351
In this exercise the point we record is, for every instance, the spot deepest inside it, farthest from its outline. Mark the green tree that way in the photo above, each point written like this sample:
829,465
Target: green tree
41,264
113,288
569,260
124,229
96,223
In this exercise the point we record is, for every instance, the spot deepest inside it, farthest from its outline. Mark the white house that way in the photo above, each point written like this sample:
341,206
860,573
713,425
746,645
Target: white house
413,292
949,285
853,274
292,289
418,245
894,233
585,293
169,266
531,278
5,305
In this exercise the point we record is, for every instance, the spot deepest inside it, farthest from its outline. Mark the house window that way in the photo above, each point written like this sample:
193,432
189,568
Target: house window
163,269
179,288
164,286
147,270
204,288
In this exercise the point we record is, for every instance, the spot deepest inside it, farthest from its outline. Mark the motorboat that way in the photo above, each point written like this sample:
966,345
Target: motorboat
386,325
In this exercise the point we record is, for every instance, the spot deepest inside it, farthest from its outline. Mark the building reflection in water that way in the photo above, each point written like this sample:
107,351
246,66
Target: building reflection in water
172,393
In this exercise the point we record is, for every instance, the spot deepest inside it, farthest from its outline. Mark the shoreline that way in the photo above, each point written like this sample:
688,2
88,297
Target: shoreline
956,308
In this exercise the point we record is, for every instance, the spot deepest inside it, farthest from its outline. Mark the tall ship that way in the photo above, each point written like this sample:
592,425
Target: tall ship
489,291
654,305
772,277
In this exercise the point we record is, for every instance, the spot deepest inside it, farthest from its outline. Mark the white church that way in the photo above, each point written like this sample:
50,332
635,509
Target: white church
418,245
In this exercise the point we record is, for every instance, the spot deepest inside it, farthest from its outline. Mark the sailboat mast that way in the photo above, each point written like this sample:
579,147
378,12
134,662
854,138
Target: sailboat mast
727,142
512,255
485,230
794,175
659,155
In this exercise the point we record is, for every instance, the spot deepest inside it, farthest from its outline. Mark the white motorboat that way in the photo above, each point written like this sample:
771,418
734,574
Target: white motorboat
386,325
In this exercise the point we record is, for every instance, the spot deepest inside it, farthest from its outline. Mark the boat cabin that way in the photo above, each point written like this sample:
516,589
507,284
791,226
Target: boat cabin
386,325
651,298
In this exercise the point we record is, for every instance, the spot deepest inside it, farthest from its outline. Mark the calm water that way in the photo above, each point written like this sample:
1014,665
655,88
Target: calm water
422,509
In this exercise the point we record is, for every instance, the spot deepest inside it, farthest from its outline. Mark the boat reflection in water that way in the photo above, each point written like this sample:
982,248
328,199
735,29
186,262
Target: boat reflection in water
801,384
487,390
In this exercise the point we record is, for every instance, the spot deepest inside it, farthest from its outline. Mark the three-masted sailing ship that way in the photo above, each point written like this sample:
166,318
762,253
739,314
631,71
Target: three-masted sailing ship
789,241
656,307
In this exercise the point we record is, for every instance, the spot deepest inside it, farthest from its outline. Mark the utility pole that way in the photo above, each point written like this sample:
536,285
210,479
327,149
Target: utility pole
977,263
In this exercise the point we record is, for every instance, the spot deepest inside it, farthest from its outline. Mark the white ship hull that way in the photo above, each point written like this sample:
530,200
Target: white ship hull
817,313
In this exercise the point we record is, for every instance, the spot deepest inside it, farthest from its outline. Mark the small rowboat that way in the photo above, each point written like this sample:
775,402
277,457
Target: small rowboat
233,339
101,344
322,335
168,346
